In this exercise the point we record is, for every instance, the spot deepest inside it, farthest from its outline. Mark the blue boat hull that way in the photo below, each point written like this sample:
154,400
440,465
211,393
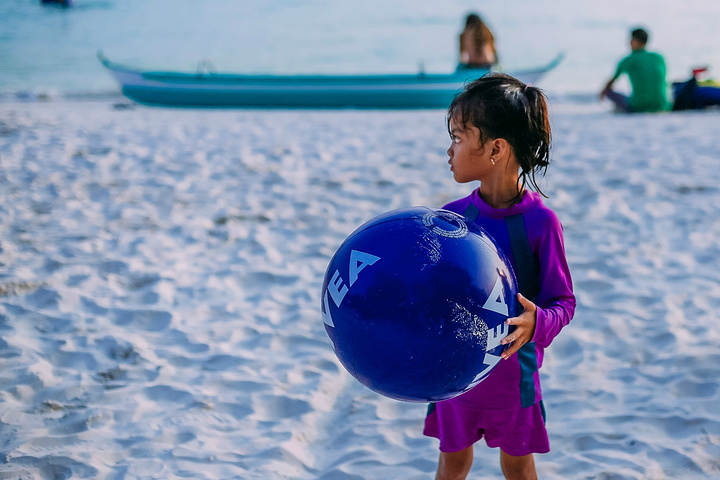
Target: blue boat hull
189,97
214,90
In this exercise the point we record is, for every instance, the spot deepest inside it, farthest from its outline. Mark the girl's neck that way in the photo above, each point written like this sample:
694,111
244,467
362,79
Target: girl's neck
501,187
501,199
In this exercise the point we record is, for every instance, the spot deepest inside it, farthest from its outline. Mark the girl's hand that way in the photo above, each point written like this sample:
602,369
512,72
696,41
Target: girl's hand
524,327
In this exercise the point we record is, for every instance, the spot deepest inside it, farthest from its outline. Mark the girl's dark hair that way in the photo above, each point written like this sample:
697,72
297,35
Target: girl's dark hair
501,106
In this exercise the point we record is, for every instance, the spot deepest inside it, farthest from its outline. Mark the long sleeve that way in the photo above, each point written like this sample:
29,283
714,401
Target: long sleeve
556,301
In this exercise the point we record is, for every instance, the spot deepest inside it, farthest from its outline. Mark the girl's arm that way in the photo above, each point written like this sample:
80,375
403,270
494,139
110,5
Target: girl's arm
540,322
556,300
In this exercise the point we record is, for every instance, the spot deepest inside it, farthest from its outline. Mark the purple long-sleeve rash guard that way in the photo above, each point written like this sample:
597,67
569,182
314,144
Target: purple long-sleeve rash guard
555,301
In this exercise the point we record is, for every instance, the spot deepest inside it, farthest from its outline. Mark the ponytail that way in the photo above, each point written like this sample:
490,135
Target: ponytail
532,149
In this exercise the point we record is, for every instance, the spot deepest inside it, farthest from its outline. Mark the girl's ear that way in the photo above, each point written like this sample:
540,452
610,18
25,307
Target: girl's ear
500,147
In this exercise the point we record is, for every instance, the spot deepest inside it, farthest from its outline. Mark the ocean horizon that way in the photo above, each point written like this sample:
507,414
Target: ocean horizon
48,51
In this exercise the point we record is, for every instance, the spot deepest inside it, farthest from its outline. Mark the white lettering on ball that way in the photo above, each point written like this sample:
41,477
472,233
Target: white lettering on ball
337,290
496,300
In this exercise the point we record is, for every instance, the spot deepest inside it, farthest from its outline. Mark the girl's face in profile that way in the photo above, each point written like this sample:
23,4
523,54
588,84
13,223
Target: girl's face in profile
467,156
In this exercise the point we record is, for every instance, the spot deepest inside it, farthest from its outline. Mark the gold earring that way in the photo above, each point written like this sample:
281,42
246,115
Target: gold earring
492,160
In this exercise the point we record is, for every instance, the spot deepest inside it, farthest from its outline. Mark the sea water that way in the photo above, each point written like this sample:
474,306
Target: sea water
46,50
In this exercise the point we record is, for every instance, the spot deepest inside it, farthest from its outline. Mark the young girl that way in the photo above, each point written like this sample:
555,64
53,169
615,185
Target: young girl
501,137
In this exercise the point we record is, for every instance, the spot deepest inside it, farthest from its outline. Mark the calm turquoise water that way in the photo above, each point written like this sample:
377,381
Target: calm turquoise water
49,49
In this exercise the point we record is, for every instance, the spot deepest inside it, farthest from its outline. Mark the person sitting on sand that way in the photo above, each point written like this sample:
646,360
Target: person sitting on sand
646,71
477,44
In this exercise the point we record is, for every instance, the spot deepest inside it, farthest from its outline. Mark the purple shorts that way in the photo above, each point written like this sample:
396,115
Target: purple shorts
517,432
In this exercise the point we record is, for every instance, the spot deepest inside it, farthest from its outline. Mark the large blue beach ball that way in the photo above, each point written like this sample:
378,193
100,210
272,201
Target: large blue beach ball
414,302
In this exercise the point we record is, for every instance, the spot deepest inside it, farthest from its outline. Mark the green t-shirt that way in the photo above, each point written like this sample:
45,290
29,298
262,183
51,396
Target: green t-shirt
646,71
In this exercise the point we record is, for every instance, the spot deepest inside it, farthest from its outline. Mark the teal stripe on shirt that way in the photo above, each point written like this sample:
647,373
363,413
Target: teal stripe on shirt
528,367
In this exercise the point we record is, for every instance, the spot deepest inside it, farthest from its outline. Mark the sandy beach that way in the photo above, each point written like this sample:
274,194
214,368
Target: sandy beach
160,277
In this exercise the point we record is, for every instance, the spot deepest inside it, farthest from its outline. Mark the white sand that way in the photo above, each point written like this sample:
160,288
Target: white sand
160,289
